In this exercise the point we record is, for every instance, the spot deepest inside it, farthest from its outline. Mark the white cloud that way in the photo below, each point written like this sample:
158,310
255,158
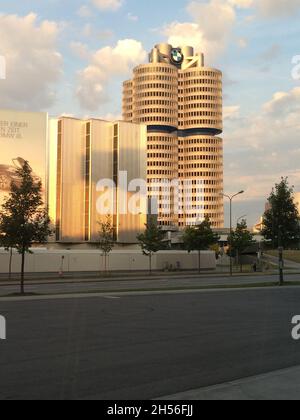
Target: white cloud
212,22
109,5
277,8
231,112
34,65
211,39
267,144
105,64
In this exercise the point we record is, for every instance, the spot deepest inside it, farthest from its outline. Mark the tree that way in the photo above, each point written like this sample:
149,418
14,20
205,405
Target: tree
7,242
24,219
152,240
200,238
106,239
240,240
281,219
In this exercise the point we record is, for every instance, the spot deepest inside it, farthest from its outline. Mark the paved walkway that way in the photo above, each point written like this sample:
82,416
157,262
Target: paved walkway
279,385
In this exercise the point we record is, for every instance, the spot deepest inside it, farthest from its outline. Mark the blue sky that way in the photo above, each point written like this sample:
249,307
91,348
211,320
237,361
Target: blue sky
59,54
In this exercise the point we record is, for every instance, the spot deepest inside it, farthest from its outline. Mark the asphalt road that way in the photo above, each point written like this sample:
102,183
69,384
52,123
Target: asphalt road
143,347
185,281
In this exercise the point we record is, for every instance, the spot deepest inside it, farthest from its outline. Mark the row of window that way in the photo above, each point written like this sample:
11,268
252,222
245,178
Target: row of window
156,69
166,147
200,73
201,149
154,77
194,141
166,86
201,165
156,102
161,172
205,122
201,82
170,121
198,105
201,114
204,174
164,164
167,111
198,157
187,182
157,94
198,89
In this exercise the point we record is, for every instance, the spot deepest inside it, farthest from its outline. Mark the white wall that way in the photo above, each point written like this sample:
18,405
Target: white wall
89,261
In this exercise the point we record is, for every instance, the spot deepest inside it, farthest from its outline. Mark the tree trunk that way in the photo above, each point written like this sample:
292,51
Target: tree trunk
22,272
150,263
10,263
199,261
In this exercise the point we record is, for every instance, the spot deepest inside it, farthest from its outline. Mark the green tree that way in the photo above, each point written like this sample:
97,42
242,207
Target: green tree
7,242
152,240
281,220
106,239
200,238
24,219
240,240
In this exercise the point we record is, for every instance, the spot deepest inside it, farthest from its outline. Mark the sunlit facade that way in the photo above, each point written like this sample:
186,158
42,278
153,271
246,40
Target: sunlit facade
180,101
84,157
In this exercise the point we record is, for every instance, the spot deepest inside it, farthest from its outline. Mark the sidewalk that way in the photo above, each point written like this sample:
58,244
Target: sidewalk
53,278
281,385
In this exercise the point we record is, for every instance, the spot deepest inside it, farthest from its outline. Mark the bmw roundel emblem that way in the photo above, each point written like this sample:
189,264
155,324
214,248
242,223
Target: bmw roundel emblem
177,56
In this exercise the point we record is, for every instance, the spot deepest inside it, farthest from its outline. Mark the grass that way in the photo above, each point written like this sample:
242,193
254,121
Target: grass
288,255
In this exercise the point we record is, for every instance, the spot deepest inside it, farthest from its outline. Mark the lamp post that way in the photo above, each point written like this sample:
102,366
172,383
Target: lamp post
230,198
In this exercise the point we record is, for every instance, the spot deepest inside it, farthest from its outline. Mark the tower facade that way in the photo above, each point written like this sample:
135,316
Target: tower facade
180,101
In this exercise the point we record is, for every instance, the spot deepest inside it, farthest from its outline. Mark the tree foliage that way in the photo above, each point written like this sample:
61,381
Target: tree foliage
281,219
24,220
152,240
106,238
240,240
200,238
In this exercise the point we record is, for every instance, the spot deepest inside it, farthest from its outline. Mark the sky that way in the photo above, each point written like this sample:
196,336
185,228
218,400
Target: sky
59,57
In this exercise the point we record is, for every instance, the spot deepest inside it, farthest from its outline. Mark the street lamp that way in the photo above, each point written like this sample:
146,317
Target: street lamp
230,198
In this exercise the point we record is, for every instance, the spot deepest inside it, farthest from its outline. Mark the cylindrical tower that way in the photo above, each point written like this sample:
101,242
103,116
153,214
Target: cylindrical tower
151,98
200,150
180,101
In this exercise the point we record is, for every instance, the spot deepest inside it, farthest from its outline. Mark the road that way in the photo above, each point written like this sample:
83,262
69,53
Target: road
144,347
185,281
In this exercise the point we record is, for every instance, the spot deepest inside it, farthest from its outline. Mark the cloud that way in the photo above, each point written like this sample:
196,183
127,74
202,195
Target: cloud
267,144
109,5
277,8
211,39
34,65
213,22
106,64
231,112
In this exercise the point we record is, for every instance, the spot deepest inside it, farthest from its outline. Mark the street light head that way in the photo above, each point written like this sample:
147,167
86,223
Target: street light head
241,192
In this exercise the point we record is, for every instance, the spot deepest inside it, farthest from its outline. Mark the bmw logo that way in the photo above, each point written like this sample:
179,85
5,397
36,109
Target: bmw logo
177,56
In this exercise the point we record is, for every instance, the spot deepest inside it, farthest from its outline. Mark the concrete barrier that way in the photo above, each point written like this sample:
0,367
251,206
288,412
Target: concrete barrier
52,261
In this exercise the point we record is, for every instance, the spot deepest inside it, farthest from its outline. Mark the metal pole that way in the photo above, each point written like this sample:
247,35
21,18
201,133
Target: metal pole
231,267
281,264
